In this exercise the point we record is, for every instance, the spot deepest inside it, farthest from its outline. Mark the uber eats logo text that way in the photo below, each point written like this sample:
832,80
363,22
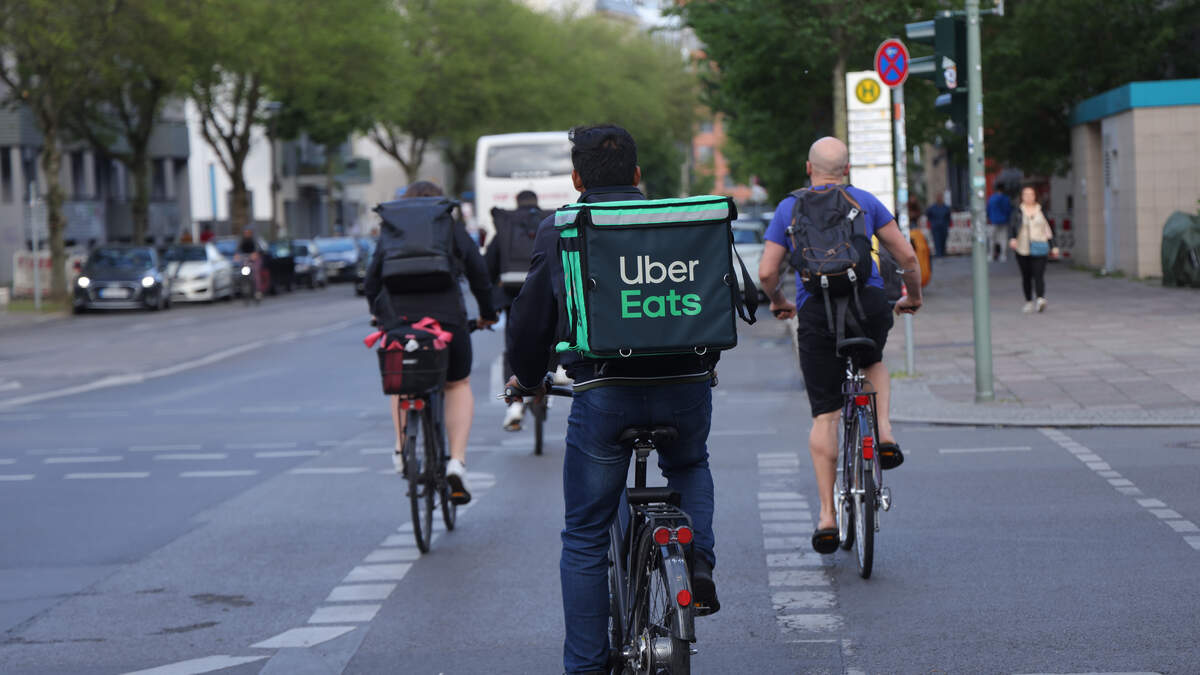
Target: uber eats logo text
646,271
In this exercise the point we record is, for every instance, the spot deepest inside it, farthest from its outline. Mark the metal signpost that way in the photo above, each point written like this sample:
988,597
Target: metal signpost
891,63
984,391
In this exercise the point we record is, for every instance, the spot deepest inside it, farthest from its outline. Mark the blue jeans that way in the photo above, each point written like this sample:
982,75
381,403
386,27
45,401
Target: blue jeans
594,479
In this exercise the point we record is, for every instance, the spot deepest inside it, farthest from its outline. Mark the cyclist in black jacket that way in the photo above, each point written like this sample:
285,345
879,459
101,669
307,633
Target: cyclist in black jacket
448,309
610,396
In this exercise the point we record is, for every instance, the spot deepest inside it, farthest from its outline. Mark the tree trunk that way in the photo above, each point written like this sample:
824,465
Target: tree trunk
330,203
51,165
460,156
140,170
239,210
839,97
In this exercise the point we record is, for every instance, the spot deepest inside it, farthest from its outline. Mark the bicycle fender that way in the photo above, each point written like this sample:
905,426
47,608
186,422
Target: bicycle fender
679,579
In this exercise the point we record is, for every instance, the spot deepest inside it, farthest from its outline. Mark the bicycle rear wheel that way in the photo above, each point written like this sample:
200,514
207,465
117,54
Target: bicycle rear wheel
864,515
420,479
655,616
845,499
438,449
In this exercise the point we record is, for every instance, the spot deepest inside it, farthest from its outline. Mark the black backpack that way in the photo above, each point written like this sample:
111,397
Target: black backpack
515,233
416,242
830,248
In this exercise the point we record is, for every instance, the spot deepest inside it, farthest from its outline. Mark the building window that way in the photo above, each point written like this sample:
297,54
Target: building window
704,154
78,178
6,176
706,127
158,180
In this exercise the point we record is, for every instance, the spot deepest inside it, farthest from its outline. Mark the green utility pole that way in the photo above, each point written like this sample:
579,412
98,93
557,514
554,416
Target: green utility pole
984,390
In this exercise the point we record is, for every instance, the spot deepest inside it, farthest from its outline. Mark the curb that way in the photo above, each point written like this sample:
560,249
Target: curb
1041,422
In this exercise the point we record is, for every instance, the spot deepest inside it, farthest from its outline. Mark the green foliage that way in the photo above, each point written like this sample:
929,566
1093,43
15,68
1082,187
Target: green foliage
1045,56
769,66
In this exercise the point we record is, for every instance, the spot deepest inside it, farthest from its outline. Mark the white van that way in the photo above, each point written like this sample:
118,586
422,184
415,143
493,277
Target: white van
506,164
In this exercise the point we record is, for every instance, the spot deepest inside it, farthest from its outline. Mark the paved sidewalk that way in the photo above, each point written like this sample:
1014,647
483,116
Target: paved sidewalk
1107,351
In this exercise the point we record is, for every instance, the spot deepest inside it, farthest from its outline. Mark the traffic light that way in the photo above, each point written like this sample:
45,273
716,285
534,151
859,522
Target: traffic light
948,37
954,104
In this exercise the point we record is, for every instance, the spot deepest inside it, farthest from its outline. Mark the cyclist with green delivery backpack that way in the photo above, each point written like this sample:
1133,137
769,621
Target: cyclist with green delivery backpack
638,297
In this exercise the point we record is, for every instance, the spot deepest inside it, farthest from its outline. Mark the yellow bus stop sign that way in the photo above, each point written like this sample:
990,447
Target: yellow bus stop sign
867,91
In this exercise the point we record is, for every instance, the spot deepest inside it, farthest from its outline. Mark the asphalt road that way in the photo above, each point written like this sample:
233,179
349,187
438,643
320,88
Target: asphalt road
208,490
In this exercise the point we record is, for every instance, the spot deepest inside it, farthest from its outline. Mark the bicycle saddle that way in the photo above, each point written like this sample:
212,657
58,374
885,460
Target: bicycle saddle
654,434
855,345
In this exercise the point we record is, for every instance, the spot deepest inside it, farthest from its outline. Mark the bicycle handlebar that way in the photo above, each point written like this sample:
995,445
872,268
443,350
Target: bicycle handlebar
547,388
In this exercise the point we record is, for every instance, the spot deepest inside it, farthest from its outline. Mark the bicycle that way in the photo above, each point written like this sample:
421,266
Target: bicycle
651,609
425,457
860,494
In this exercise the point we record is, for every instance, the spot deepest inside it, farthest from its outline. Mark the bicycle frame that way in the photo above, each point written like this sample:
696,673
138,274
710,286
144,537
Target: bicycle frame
856,410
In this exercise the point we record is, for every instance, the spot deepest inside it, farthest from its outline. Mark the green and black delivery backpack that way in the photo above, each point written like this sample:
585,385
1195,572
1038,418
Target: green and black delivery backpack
650,277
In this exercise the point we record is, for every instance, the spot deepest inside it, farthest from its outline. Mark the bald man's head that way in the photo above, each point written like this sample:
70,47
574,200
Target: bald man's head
828,158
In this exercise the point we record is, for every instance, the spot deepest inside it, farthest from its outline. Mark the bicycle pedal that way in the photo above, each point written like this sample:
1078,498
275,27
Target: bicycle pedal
693,651
885,499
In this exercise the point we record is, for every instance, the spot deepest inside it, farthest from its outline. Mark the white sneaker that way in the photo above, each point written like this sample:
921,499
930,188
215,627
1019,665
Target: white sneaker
1028,308
456,476
1041,304
398,461
512,419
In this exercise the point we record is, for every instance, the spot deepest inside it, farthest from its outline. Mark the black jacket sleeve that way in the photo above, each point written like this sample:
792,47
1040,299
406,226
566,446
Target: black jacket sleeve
475,270
373,283
533,319
492,258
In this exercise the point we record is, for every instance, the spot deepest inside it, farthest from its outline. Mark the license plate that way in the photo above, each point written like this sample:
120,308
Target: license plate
114,293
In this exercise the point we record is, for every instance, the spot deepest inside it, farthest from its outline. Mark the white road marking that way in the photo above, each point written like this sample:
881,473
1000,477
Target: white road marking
303,637
1089,458
8,461
796,578
1120,482
785,542
1193,541
771,506
345,614
783,600
277,454
1099,466
12,477
261,446
362,573
780,495
22,418
360,592
810,623
269,409
375,451
1129,491
62,451
777,472
1005,448
328,470
800,559
1109,474
328,444
207,664
786,528
193,412
403,540
189,456
1166,514
10,385
83,459
742,432
385,555
231,473
99,414
170,447
1182,525
107,476
786,515
1151,503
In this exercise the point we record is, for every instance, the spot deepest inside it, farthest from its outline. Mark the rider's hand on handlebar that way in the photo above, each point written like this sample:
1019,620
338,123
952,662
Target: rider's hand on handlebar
783,310
485,324
908,305
515,393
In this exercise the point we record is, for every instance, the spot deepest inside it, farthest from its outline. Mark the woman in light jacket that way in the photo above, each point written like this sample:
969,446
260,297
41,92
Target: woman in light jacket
1033,241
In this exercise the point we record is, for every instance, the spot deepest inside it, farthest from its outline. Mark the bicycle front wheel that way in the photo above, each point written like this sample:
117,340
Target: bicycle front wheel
420,480
539,426
438,450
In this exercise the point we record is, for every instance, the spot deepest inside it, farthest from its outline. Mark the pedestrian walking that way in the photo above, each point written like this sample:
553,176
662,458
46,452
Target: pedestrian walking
1032,239
938,215
999,215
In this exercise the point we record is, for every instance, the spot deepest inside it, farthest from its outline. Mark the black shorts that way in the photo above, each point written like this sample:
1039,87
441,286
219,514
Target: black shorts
823,370
460,352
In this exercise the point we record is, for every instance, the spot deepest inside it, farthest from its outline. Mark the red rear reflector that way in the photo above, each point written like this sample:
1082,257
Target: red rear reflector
684,597
683,535
418,404
404,404
862,400
868,447
662,536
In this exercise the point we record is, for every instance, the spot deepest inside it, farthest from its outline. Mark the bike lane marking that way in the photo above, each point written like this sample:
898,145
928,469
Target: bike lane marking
1156,507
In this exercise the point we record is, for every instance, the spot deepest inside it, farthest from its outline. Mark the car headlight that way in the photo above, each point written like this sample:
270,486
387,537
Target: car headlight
245,270
147,281
83,282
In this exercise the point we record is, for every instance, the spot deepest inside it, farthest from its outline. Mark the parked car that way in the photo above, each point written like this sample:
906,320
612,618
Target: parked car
310,265
199,273
360,273
748,242
341,256
122,277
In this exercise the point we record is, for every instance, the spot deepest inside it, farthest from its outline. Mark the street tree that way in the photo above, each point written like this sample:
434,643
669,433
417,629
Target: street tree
1045,56
776,70
137,70
47,65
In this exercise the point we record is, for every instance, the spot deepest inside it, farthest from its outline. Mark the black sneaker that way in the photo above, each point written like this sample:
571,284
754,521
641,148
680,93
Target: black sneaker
704,589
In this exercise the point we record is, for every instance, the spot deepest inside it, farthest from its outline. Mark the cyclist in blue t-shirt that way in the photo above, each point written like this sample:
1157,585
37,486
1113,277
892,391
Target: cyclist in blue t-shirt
828,163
